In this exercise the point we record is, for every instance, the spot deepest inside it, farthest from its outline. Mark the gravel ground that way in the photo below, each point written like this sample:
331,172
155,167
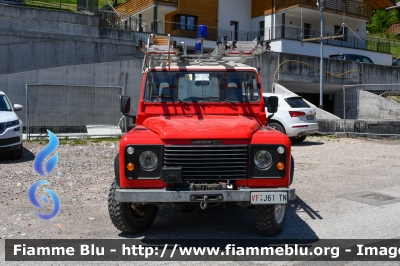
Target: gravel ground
346,188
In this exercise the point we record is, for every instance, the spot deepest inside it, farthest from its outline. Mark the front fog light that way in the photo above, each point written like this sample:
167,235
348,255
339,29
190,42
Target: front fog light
130,150
148,160
263,160
280,150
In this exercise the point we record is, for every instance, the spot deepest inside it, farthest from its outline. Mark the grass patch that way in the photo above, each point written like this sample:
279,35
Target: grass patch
52,5
394,98
77,141
384,37
110,139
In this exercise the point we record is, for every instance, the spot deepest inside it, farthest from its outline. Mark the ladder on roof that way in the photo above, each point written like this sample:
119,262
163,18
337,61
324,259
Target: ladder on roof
162,49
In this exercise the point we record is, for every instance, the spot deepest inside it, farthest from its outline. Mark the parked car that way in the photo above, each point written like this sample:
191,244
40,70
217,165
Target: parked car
295,117
352,57
10,128
396,62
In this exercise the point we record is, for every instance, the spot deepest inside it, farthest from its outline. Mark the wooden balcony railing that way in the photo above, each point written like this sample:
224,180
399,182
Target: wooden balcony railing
131,7
350,8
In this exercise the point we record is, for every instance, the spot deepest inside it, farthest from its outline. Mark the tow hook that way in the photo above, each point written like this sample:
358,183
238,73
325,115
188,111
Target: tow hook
203,204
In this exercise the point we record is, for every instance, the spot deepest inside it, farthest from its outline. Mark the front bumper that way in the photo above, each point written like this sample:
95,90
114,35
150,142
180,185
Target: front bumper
7,149
165,196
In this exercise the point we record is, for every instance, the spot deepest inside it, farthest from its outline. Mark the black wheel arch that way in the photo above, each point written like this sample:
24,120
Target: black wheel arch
116,169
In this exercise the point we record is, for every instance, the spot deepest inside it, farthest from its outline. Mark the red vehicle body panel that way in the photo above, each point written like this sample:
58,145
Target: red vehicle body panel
178,123
203,127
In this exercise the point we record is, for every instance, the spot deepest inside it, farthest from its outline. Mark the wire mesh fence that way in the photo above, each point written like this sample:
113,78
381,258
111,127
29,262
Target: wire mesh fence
372,109
66,5
73,111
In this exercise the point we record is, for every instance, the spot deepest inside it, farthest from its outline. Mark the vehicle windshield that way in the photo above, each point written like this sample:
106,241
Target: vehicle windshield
202,86
4,104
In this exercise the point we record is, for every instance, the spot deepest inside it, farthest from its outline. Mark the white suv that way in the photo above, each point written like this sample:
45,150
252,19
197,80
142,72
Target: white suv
10,128
295,117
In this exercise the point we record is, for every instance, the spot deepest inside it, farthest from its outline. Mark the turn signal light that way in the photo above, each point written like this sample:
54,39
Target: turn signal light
130,166
280,166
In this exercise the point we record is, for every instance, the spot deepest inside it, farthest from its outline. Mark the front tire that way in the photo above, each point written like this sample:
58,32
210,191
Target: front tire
128,219
270,219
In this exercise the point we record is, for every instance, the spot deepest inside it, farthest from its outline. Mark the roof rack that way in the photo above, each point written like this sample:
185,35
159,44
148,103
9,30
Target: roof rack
162,49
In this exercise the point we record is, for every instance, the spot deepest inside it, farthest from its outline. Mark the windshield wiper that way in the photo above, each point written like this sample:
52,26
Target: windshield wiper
179,100
219,98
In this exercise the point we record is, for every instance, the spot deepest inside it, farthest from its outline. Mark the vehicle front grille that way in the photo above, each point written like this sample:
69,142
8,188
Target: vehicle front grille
9,141
2,127
208,162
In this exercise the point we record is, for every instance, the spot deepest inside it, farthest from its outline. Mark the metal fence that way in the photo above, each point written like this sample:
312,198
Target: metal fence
350,41
73,111
61,5
90,6
144,27
372,109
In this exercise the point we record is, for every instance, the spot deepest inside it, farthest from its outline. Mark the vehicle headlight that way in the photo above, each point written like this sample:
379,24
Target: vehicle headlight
148,160
263,160
12,123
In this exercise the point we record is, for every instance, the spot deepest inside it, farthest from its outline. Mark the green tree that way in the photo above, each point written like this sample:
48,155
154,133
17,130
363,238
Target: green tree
381,20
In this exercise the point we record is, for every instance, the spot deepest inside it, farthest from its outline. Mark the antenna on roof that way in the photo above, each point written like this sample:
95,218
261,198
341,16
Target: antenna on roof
345,25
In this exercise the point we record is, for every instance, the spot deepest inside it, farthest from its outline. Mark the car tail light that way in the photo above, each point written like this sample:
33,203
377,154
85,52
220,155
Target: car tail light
296,113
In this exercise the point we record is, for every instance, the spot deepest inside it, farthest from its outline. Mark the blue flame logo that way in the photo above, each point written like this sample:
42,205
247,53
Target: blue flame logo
36,203
50,164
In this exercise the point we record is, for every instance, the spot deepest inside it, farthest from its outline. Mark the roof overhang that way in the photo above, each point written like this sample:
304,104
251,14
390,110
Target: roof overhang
377,4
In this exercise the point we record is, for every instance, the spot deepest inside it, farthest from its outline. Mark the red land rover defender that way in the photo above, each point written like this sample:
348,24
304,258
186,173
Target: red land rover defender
201,139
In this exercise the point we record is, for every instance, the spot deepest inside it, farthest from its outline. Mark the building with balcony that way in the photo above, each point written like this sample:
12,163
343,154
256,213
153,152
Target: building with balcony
287,23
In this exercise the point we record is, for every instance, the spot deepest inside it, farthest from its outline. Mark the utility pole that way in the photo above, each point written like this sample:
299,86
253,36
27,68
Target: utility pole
321,65
320,5
155,17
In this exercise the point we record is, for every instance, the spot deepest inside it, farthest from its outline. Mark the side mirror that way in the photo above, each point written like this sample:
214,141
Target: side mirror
272,104
125,105
17,107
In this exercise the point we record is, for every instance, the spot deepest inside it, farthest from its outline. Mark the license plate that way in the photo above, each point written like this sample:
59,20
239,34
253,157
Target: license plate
269,197
310,117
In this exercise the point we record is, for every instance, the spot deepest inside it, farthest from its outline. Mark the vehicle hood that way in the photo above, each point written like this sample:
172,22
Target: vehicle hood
6,116
203,127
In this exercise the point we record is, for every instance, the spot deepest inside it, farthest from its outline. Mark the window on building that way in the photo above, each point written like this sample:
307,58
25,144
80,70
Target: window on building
307,31
185,22
234,30
261,27
339,31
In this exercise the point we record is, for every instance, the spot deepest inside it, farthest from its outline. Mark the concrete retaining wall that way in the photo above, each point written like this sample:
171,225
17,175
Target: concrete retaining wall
372,106
121,73
38,14
32,39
